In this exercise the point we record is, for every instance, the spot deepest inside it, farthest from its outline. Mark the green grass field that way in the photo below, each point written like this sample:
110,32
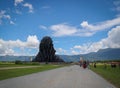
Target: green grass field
110,74
14,65
10,73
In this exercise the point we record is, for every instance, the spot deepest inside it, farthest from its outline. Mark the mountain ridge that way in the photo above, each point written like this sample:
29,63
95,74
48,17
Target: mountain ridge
102,54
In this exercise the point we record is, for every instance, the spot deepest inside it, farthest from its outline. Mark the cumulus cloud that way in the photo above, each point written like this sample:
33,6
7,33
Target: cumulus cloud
101,25
63,30
17,2
61,51
112,41
28,5
5,16
11,22
117,5
84,30
18,12
32,42
23,4
7,47
73,52
5,50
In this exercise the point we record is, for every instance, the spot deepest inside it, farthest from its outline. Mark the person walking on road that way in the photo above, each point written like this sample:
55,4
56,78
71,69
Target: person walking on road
84,64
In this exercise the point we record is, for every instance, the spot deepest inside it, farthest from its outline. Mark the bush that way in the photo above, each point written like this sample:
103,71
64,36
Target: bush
35,63
31,63
18,62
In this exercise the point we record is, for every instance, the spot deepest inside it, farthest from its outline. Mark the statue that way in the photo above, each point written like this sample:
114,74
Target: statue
46,51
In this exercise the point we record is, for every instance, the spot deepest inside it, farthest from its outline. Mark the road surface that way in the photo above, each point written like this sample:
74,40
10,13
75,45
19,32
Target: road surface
66,77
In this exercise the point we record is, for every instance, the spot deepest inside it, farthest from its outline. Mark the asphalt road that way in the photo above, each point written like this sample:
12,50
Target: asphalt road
66,77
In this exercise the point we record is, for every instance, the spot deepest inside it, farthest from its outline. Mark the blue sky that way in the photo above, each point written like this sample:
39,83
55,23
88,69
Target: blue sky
76,26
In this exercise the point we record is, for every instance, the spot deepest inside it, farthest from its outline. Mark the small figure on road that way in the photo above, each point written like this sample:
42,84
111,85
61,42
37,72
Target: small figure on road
80,63
84,64
88,64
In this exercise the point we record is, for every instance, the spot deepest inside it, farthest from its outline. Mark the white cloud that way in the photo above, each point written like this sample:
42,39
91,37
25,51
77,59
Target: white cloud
84,33
23,4
73,52
61,51
32,42
11,22
29,6
63,30
5,50
7,47
84,30
42,27
18,12
82,48
4,16
117,5
101,25
17,2
7,16
112,41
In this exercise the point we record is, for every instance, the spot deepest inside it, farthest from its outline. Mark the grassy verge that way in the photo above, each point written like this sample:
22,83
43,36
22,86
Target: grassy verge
110,74
10,73
12,64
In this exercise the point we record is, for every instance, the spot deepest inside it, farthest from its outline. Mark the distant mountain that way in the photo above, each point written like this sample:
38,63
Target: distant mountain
102,54
70,58
14,58
106,54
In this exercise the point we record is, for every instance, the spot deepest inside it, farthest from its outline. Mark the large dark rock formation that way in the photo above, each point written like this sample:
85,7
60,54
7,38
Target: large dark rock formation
47,52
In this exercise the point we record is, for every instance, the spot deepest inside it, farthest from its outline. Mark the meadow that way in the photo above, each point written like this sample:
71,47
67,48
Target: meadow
10,73
110,74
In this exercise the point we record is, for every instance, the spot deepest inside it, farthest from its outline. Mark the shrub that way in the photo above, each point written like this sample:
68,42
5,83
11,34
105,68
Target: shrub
35,63
18,62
